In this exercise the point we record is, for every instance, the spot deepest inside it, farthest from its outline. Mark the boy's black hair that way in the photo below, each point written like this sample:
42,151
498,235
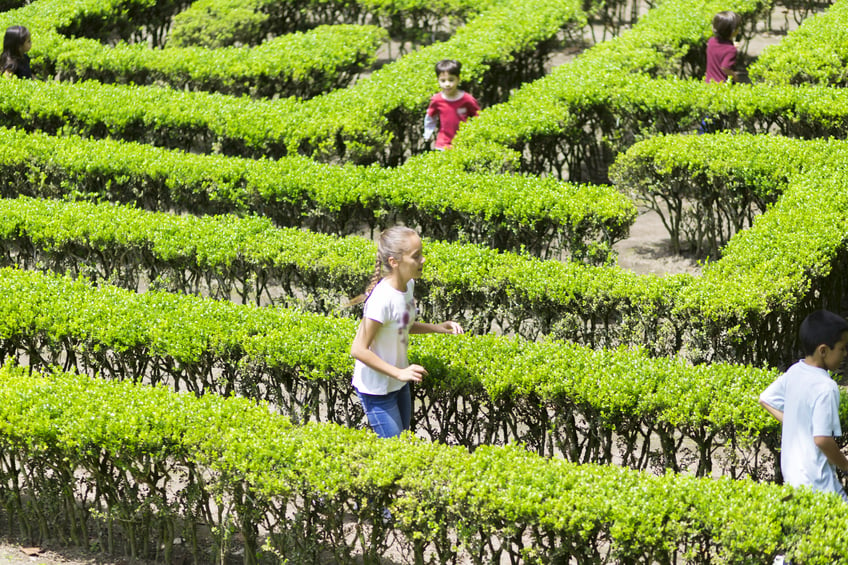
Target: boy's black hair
821,327
725,23
448,66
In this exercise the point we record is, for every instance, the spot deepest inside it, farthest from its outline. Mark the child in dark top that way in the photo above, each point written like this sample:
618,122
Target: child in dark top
448,107
721,53
721,60
14,61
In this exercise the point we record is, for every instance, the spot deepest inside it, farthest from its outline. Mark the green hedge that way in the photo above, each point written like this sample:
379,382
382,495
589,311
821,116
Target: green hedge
605,305
618,111
379,118
556,397
791,261
599,306
158,472
816,52
133,20
219,23
78,42
541,216
300,64
573,121
249,260
706,188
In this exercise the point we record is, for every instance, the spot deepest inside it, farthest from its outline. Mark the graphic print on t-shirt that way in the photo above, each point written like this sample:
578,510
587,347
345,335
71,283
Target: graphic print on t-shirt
406,321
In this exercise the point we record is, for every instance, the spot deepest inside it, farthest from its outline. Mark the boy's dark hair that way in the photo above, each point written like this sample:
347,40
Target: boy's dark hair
821,327
448,66
724,23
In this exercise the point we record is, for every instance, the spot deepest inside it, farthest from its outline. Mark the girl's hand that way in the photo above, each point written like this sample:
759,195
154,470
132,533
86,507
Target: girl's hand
451,327
413,373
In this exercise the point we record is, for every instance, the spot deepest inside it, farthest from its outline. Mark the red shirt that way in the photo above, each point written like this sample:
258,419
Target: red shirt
721,54
451,113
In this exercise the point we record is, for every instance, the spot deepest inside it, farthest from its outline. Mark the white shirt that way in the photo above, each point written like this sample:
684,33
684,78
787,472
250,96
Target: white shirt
809,400
395,310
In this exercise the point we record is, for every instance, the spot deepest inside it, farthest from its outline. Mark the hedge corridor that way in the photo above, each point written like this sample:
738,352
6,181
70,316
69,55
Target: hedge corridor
227,164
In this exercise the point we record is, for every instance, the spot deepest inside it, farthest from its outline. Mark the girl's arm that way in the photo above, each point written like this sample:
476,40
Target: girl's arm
443,328
360,350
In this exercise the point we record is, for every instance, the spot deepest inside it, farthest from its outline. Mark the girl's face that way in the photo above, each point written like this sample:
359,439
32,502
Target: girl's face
411,263
27,45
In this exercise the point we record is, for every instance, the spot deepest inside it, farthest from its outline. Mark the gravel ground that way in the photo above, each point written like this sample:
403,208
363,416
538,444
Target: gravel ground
13,554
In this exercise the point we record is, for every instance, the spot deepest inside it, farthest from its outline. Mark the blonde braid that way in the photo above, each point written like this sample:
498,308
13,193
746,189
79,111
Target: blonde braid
376,276
375,279
390,244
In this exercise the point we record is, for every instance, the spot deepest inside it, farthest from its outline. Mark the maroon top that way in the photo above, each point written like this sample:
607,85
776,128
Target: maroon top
721,53
451,113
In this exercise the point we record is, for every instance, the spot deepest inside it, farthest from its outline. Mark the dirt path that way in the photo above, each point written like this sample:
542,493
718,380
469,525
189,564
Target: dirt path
646,251
13,554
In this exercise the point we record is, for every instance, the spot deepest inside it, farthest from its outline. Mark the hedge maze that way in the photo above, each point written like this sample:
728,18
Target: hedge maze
190,192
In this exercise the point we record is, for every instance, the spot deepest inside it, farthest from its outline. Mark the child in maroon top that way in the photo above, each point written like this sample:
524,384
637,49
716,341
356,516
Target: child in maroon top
448,107
721,53
721,60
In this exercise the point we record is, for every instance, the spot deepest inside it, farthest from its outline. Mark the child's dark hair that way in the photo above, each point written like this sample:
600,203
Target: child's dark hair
13,43
448,66
725,23
821,327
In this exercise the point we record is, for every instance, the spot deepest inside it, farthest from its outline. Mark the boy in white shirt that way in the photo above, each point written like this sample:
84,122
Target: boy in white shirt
805,400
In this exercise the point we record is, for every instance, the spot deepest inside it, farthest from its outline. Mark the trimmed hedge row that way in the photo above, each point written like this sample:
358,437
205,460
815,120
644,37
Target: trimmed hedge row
816,52
249,260
556,397
770,275
64,435
541,216
607,306
573,121
145,21
707,188
300,64
614,111
802,9
219,23
377,119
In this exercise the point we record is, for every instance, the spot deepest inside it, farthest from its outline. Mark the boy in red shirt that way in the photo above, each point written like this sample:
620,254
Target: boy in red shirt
448,107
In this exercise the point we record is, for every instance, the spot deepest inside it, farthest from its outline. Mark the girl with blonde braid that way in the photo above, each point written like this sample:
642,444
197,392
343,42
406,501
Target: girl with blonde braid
382,373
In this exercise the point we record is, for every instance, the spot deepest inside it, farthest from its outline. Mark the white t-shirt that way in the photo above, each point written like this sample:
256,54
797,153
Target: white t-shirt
395,310
809,400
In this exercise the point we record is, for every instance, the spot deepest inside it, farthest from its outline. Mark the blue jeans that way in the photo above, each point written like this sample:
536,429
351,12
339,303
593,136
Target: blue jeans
388,414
